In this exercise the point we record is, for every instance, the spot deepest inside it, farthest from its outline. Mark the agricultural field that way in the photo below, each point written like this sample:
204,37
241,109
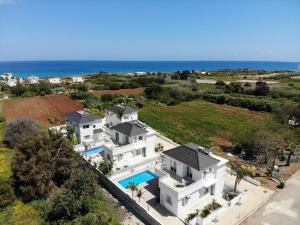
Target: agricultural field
40,108
120,91
202,122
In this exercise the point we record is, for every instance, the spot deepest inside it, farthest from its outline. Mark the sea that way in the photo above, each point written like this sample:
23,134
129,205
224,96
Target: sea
44,69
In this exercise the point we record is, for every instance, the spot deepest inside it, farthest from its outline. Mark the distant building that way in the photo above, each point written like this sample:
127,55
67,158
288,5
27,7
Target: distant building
298,69
33,80
7,76
77,79
140,73
54,80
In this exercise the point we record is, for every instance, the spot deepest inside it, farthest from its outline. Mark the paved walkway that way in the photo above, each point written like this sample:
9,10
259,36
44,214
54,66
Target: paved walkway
282,209
253,198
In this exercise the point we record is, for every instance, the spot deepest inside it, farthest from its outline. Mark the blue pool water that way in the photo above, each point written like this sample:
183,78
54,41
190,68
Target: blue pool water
93,151
138,178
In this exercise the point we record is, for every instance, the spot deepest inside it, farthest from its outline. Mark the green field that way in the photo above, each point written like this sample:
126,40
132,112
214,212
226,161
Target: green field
5,163
201,122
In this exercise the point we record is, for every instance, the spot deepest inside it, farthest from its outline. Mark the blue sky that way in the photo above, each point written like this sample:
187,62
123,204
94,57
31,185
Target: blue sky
150,29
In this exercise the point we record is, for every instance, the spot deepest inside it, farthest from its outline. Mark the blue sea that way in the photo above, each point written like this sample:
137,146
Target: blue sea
67,68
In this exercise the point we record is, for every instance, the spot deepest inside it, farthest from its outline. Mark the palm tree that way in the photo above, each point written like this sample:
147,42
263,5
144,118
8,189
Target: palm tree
241,172
139,194
132,187
86,146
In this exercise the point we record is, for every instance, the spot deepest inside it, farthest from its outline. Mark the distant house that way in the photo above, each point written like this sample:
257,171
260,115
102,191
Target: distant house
77,79
33,79
140,73
86,126
190,175
54,80
7,76
113,114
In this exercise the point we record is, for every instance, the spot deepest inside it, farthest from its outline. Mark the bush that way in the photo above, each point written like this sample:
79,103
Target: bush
17,131
220,82
2,119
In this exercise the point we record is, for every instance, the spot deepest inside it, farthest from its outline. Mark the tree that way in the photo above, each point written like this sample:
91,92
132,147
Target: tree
139,194
261,89
74,198
104,168
153,91
7,195
241,172
17,131
42,163
132,187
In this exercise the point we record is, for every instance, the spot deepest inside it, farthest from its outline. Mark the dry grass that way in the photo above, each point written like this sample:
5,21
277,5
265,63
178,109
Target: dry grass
121,91
40,109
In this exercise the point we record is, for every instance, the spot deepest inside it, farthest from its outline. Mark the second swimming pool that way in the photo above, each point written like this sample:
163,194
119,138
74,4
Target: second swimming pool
92,151
138,178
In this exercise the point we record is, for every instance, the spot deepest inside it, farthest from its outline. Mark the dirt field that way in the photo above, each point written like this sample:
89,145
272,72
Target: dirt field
121,91
40,109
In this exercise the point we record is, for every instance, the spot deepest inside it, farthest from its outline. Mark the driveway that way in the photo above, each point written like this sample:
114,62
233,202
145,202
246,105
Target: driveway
282,209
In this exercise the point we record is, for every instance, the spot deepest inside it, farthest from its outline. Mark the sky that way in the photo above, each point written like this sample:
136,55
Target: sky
150,30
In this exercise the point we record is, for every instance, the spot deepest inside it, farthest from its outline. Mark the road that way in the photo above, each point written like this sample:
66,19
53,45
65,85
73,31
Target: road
283,208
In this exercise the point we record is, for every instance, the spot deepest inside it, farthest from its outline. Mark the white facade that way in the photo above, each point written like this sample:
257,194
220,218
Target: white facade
88,131
131,149
180,191
54,80
112,118
7,76
33,80
77,79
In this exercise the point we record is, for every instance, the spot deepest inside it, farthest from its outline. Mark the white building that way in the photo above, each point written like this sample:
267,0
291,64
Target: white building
189,175
54,80
7,76
120,114
88,127
33,80
134,142
77,79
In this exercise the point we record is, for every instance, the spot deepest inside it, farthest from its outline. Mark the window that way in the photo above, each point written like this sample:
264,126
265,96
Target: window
126,117
169,199
185,201
173,168
139,152
135,139
206,191
87,137
86,126
94,126
189,172
210,170
140,138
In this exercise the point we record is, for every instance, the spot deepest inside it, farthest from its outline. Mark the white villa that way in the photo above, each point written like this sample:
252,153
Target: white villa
77,79
10,80
54,80
190,174
117,114
33,80
87,126
184,176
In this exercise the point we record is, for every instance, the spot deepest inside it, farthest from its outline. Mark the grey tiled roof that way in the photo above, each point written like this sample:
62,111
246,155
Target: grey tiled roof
115,109
132,128
80,117
192,155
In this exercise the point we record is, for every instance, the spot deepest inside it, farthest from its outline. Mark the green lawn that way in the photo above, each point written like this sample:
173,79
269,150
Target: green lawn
202,122
5,163
205,87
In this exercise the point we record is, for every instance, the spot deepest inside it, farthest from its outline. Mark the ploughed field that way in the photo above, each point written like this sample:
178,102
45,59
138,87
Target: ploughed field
40,108
202,122
120,91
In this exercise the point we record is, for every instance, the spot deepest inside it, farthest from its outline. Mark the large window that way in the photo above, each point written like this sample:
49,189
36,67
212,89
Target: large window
86,126
140,138
169,199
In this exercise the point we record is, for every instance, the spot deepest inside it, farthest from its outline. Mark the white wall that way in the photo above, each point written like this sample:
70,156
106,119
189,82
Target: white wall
112,119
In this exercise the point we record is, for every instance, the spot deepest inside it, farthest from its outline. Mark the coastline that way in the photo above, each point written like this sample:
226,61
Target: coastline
68,68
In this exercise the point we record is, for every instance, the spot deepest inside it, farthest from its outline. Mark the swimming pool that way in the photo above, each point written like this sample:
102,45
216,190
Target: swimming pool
138,178
92,151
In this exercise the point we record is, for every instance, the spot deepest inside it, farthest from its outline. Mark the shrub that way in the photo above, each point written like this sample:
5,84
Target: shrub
2,119
17,131
220,82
